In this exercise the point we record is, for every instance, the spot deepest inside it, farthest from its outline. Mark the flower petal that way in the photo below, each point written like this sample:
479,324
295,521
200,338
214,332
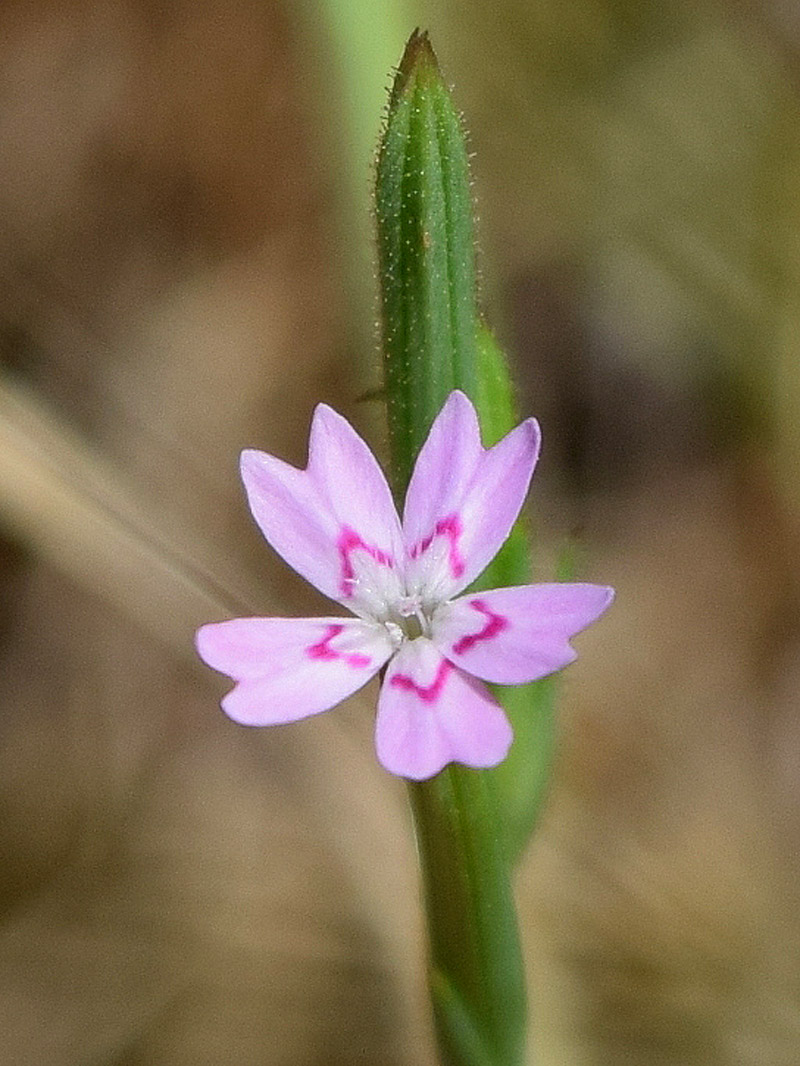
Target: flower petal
517,634
290,668
463,499
335,522
430,714
347,473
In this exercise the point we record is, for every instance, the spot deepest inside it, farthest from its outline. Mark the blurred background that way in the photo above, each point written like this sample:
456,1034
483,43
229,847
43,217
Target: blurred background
186,269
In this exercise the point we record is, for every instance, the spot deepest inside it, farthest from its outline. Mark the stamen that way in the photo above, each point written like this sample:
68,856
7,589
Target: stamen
414,620
408,606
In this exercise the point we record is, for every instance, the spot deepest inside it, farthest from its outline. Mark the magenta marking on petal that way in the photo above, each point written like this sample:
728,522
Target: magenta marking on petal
323,649
495,623
449,527
427,693
349,541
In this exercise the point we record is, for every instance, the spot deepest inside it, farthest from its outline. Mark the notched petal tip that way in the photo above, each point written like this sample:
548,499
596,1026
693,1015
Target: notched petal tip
459,406
408,772
251,459
325,417
493,751
459,409
533,432
458,398
517,634
604,596
521,445
205,642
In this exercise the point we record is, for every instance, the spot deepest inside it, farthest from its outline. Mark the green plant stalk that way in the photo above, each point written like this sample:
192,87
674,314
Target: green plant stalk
432,341
476,977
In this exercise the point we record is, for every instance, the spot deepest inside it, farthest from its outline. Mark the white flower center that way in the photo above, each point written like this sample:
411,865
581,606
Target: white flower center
379,593
409,618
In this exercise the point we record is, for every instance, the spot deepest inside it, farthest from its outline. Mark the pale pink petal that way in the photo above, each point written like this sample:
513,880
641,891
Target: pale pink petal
430,714
348,475
517,634
335,522
444,467
286,505
463,499
290,668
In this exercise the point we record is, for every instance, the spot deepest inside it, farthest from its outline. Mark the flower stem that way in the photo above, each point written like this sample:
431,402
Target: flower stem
476,976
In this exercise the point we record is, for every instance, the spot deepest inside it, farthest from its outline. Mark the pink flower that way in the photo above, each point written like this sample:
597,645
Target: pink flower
335,522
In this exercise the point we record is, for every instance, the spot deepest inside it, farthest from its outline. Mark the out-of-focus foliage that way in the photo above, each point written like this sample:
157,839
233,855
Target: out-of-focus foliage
650,152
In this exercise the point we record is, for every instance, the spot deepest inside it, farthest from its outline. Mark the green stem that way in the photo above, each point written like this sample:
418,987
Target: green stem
476,975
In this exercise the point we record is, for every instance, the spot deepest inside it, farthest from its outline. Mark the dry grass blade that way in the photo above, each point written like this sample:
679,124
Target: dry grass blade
81,515
76,510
